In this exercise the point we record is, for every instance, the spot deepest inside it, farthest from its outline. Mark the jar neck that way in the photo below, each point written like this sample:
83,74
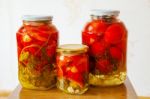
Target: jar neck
105,18
36,23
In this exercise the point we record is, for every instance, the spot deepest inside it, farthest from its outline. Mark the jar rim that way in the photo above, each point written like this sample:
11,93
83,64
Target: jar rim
101,12
37,18
72,49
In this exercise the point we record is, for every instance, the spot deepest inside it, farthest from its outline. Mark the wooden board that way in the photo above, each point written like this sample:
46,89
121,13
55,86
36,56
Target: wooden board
124,91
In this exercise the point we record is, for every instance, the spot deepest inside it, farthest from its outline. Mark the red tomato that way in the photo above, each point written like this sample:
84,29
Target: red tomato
98,48
116,53
114,33
104,66
93,31
97,26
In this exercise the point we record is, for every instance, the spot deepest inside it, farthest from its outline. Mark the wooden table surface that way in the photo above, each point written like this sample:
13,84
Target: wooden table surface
124,91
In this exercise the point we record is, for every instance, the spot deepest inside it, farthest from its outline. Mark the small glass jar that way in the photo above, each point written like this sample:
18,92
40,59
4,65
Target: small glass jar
106,37
37,42
72,68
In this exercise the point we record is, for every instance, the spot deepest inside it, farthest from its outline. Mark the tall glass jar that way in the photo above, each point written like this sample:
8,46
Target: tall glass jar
106,37
37,41
72,68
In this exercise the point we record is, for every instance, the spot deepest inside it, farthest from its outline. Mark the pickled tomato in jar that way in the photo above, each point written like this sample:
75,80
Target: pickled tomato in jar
37,40
106,37
72,68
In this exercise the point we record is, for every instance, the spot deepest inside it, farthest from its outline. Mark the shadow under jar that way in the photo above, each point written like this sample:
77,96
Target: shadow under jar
37,42
106,37
72,68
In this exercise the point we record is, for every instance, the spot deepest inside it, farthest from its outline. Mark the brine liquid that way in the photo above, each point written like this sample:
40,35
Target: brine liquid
107,80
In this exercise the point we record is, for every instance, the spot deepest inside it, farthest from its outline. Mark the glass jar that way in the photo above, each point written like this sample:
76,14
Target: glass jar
106,37
37,42
72,68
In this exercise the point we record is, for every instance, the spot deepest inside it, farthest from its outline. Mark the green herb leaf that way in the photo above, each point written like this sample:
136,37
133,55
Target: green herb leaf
23,56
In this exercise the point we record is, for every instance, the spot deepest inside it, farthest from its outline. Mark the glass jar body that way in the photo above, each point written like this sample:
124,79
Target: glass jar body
37,42
72,73
106,37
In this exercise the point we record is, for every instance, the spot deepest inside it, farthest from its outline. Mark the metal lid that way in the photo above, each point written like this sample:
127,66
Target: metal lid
72,49
99,12
36,18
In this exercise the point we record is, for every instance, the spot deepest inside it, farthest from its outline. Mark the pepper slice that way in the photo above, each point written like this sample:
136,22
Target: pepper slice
37,34
76,77
80,62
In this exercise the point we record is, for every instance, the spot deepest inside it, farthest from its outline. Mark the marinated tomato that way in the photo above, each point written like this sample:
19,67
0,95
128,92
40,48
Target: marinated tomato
116,53
36,54
104,66
106,37
98,49
114,33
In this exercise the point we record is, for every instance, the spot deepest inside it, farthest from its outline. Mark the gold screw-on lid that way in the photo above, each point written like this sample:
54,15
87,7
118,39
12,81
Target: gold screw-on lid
72,49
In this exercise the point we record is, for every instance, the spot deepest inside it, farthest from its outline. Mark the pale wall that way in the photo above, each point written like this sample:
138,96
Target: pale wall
70,17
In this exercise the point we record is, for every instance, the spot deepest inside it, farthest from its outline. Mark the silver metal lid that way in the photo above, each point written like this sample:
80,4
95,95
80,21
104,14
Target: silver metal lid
99,12
36,18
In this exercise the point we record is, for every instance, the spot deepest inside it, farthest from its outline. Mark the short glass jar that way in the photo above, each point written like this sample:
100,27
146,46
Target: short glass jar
37,40
72,68
106,37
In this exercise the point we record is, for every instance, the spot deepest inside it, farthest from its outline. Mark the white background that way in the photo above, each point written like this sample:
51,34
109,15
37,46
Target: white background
70,16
